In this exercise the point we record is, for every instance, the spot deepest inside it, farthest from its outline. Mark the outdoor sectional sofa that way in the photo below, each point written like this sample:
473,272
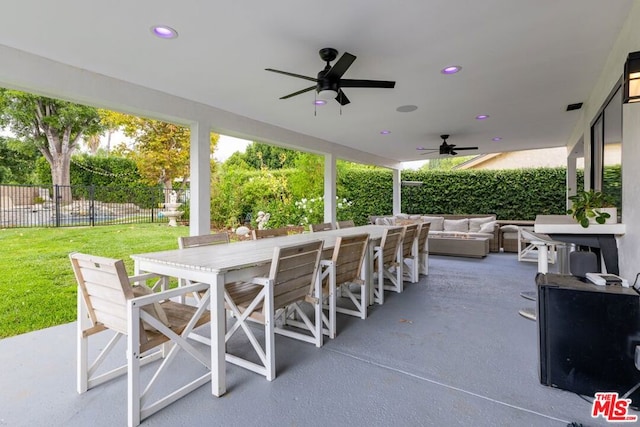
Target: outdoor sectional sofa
444,225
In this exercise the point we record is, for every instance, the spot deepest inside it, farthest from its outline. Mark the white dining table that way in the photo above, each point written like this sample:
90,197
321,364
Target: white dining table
220,264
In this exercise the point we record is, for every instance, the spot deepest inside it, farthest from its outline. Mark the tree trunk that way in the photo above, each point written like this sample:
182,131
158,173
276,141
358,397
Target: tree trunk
60,174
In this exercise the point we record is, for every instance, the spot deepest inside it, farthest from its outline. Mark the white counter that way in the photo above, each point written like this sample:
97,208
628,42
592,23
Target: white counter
565,224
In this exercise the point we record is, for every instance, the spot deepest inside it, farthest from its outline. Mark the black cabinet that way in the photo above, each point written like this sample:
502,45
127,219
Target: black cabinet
587,336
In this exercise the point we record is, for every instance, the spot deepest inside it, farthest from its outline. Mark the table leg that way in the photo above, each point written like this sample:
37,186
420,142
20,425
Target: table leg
218,326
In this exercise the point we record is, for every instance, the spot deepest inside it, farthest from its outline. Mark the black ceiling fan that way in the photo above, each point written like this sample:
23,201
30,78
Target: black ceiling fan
445,149
330,78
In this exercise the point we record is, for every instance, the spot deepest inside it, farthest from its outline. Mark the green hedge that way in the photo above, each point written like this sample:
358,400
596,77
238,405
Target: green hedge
510,194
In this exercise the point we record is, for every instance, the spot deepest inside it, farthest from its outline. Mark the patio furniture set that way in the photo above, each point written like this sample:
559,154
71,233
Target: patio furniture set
455,235
288,285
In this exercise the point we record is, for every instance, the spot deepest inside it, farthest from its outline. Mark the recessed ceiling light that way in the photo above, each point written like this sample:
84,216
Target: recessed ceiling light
451,69
482,116
385,132
319,102
496,139
406,108
164,32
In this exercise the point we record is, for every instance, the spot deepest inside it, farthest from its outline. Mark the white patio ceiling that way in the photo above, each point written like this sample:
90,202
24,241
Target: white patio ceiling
523,62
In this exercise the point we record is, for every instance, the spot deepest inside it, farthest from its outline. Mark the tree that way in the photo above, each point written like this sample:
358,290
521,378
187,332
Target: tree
259,155
16,162
54,127
160,149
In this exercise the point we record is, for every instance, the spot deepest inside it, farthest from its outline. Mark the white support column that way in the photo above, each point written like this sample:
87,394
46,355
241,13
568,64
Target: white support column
200,155
396,191
330,178
572,179
628,248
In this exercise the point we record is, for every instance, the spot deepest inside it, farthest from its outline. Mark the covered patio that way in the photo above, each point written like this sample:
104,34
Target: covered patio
449,350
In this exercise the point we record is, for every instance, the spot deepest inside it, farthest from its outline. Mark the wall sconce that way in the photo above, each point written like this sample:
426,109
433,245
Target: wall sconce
632,78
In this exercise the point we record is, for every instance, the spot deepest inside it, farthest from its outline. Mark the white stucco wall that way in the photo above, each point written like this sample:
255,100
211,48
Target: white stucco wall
628,41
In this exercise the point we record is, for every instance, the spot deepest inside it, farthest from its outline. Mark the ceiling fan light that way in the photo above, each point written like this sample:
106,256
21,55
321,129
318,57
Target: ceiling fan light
452,69
164,32
327,94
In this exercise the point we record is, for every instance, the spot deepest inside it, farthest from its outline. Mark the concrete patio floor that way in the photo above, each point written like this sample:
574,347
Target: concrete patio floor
449,351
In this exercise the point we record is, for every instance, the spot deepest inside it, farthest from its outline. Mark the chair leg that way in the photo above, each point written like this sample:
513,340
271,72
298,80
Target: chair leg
82,346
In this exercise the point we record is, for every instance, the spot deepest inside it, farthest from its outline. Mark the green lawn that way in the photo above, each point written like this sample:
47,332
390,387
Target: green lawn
37,287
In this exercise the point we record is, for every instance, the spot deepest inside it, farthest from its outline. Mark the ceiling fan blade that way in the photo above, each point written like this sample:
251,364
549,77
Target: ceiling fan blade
341,66
367,83
466,148
342,98
286,73
429,152
299,92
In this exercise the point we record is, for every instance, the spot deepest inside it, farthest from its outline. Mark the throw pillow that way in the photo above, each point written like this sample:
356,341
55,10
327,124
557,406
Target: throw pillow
437,222
402,216
487,227
460,225
154,310
476,223
509,228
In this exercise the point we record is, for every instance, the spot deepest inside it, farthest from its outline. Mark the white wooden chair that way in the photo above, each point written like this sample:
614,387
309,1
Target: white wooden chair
387,262
345,224
194,242
320,227
410,253
270,232
345,270
108,301
293,279
202,240
423,248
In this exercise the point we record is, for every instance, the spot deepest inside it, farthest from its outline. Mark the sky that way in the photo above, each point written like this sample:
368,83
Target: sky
227,145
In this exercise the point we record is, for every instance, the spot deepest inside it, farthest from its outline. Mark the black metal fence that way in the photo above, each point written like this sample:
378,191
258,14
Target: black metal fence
69,206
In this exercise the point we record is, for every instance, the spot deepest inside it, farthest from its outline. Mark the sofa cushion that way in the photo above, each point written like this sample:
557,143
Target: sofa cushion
476,223
402,216
460,225
487,227
437,222
386,220
414,217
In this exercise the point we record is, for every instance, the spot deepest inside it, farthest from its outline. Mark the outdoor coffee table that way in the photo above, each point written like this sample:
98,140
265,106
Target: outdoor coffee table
475,247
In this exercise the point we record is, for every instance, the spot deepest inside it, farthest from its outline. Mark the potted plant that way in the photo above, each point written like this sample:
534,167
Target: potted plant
591,207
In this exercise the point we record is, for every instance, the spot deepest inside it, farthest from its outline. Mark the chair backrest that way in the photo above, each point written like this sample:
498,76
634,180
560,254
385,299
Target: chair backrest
348,257
345,224
391,239
423,235
294,270
320,227
202,240
271,232
105,289
410,235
